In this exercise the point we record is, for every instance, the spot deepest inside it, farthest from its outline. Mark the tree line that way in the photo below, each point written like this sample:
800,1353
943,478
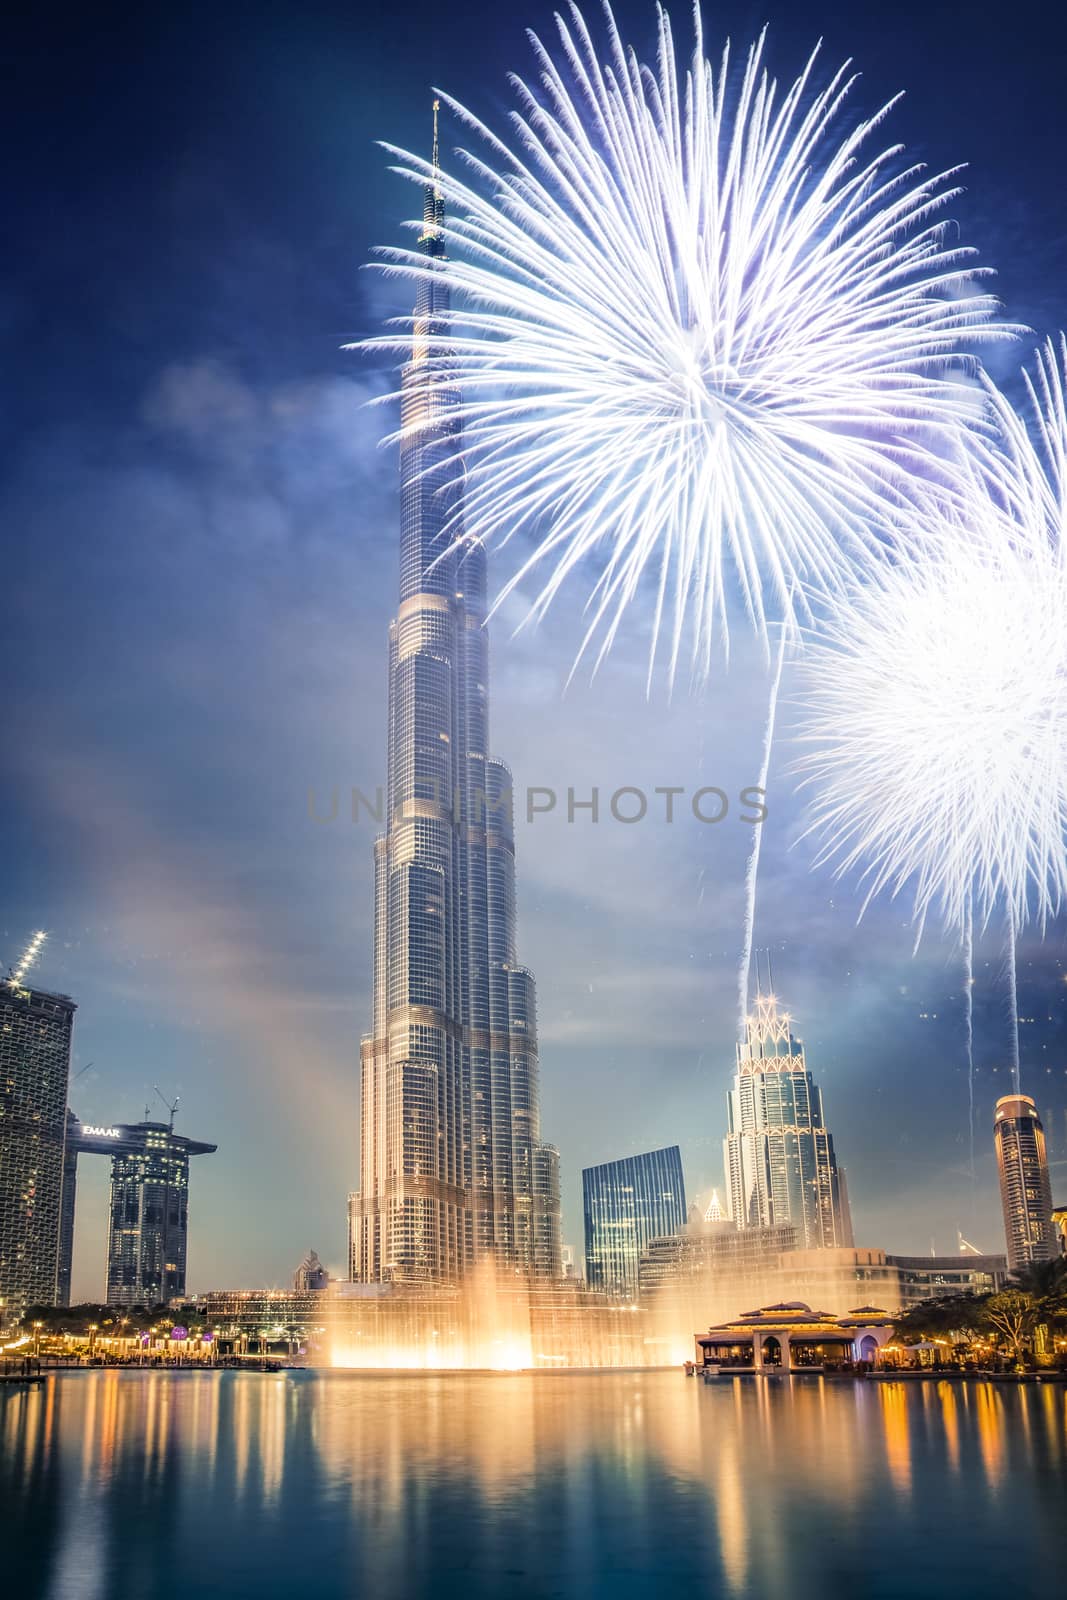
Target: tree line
1018,1324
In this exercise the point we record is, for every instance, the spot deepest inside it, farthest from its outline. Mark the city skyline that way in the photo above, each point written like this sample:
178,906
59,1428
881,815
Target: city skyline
91,1272
535,741
157,823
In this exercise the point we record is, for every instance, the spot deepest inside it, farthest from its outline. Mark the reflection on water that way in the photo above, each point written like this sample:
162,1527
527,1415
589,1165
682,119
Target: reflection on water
331,1485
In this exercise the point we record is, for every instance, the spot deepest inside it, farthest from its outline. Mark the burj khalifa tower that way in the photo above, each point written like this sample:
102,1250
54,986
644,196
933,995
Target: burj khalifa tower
453,1169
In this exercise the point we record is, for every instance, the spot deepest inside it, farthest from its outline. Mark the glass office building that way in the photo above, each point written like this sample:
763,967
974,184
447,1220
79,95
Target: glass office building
629,1203
35,1039
779,1155
452,1166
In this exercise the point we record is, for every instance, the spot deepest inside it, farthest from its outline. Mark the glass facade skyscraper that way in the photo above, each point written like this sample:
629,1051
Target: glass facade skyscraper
452,1165
35,1039
1025,1188
627,1204
780,1162
148,1220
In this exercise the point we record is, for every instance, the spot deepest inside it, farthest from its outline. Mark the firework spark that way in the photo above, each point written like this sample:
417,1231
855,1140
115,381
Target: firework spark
700,334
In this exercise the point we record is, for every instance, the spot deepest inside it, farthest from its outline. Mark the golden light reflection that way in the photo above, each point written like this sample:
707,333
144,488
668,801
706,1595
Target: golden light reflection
990,1431
895,1422
394,1455
1054,1413
950,1422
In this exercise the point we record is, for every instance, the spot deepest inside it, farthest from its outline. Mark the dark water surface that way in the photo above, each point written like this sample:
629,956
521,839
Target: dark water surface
156,1486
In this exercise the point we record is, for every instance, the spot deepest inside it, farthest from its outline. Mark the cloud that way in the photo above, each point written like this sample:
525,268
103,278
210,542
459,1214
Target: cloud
200,397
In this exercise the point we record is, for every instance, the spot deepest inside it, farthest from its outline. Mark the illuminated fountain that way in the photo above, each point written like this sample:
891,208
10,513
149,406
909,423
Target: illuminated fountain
490,1323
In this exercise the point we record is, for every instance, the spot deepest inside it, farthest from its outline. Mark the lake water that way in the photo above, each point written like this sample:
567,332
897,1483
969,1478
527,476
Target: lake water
157,1486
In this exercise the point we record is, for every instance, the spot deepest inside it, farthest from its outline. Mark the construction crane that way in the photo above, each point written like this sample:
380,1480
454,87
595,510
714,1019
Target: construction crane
26,960
171,1108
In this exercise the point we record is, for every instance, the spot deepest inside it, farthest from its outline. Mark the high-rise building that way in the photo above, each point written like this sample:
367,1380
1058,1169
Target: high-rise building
452,1166
148,1228
310,1277
35,1031
35,1039
627,1204
65,1260
1025,1190
780,1163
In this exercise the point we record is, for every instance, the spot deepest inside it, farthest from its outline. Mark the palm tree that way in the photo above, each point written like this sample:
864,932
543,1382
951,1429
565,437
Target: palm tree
1045,1280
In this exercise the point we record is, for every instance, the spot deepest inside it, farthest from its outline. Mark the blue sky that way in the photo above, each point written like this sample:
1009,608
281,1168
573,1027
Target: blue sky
201,538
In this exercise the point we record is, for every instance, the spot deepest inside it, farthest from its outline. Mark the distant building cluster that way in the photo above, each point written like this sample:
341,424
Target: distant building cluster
40,1142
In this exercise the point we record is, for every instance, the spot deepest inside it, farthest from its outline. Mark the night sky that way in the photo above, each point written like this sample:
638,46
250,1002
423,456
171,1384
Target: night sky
200,566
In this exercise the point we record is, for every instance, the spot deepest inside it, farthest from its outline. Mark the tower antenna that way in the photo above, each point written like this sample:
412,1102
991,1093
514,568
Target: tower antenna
433,208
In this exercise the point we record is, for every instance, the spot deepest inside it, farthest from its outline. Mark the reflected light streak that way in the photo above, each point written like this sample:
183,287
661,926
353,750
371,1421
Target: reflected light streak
990,1432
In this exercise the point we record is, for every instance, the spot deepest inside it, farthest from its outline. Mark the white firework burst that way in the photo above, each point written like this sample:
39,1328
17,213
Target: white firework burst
701,332
935,702
936,709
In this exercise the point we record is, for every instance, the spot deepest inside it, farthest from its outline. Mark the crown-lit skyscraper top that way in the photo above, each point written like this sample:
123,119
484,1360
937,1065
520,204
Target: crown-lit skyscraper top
780,1160
769,1045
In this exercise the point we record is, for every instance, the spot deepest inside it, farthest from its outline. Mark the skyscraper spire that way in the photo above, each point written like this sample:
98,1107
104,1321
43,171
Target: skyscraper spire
433,205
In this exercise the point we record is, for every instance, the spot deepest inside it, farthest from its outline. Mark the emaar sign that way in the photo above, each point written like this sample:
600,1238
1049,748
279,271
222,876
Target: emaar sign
99,1133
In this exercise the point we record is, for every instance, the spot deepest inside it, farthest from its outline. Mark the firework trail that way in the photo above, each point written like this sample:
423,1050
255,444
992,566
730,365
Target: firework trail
744,967
936,705
703,338
1012,970
968,1022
